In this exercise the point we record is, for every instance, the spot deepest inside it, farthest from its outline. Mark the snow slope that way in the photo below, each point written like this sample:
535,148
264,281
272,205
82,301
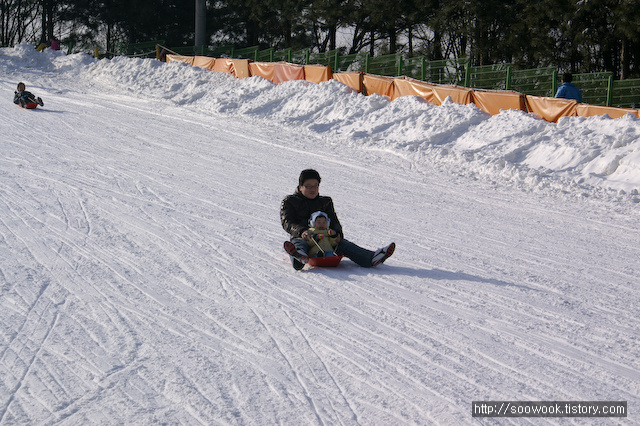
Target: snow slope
142,279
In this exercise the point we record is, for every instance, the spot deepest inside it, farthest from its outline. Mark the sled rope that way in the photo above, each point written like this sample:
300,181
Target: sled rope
317,245
168,50
141,54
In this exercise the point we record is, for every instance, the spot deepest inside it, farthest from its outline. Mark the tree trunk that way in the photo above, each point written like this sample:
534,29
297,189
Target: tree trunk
48,7
332,37
624,59
287,30
43,21
252,33
50,11
372,44
436,50
109,42
393,39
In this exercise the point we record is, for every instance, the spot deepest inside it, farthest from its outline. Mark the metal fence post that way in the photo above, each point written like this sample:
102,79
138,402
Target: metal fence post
610,91
467,74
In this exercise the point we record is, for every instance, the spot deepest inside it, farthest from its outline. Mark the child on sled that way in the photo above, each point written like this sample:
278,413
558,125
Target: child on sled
323,240
24,98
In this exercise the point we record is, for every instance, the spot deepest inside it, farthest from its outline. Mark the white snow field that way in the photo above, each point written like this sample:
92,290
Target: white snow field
143,280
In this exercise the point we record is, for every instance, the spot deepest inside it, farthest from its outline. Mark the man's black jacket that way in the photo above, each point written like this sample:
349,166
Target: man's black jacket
296,209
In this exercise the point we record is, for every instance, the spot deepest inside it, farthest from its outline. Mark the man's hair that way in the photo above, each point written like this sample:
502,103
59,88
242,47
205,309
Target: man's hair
21,84
308,174
567,77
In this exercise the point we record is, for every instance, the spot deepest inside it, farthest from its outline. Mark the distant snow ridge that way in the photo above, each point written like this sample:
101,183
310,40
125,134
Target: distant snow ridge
597,155
593,157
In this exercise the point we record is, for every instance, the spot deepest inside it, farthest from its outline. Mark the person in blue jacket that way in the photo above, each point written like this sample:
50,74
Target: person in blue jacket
567,89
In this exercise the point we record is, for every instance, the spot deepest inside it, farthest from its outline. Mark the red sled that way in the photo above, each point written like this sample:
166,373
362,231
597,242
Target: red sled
31,105
325,261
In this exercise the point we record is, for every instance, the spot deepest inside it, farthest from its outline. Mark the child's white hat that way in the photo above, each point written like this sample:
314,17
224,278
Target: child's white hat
314,216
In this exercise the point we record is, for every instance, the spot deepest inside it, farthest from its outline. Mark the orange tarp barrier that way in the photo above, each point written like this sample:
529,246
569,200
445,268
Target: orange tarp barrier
284,71
180,58
240,68
317,73
459,95
584,110
262,69
351,79
203,62
551,109
223,65
411,87
492,101
383,86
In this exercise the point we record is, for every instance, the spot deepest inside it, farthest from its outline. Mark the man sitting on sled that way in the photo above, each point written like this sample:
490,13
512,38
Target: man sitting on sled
295,211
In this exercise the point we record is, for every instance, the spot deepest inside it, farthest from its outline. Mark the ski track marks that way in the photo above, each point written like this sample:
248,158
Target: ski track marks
143,281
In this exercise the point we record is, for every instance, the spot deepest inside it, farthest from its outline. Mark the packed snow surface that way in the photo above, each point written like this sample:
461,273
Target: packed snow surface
143,281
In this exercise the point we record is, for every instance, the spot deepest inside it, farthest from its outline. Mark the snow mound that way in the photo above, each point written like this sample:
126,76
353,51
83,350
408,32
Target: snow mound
595,156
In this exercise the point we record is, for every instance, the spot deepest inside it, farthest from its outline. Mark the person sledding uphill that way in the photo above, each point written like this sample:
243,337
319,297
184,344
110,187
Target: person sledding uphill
295,211
26,99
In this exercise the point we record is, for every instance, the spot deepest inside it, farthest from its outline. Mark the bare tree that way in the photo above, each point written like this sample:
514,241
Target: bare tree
17,21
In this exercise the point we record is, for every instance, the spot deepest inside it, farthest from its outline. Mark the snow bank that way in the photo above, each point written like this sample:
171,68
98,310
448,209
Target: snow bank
595,156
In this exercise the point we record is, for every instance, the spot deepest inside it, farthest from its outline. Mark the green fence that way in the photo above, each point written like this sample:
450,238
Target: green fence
535,82
597,88
495,77
384,65
626,93
448,71
352,63
247,53
146,49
